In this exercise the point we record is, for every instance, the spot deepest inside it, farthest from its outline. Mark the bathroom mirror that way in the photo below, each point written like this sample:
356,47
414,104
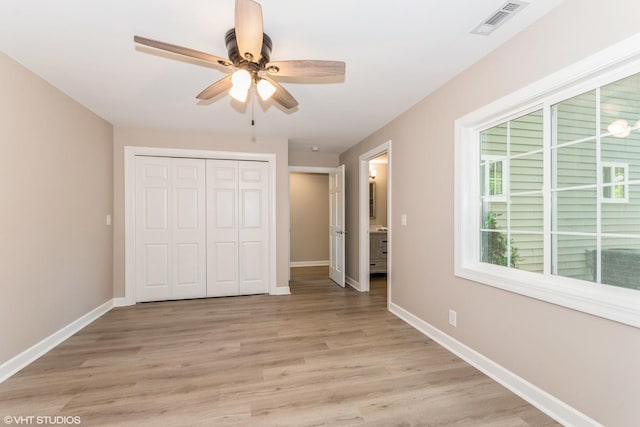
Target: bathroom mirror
372,200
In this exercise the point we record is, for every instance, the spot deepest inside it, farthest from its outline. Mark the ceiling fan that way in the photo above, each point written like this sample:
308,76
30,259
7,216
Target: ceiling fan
249,51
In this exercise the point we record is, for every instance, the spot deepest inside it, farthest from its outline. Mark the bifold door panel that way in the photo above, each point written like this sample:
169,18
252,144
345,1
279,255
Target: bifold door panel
222,228
237,229
253,228
170,229
201,228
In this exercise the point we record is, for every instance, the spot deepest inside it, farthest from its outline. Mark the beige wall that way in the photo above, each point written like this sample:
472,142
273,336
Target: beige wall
588,362
56,187
381,195
309,158
309,198
200,141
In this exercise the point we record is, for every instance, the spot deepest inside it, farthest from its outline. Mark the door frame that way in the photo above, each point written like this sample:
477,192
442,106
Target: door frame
363,214
130,152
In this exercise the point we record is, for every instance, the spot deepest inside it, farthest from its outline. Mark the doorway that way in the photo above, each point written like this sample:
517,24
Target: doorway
309,219
316,196
375,218
378,225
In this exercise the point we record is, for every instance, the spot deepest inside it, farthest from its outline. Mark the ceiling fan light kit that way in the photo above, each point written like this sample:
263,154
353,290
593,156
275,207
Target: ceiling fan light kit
249,56
265,89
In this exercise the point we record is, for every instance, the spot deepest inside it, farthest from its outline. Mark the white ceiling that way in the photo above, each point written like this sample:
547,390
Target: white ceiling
396,51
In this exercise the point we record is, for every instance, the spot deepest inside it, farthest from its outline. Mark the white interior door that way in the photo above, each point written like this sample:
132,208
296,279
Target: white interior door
170,229
336,225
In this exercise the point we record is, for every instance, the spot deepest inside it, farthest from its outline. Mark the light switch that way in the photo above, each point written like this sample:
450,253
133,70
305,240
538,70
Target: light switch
403,219
108,219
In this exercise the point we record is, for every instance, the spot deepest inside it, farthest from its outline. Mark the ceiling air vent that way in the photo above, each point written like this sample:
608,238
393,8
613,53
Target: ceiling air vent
499,17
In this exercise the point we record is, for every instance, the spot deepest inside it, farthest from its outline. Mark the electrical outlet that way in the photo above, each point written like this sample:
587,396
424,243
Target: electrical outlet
453,318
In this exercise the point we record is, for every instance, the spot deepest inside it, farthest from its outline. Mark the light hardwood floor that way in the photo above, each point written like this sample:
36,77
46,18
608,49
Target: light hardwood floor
323,356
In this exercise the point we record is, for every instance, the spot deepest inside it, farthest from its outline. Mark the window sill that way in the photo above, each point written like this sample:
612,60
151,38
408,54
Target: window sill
610,302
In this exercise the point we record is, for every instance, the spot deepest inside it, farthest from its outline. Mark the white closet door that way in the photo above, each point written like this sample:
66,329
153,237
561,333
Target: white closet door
222,228
237,228
170,229
153,236
253,228
188,229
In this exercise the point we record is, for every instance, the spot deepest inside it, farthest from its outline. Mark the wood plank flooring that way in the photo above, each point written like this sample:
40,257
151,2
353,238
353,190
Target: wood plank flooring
323,356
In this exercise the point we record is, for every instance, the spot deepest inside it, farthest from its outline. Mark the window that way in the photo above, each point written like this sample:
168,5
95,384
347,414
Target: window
614,177
547,197
514,220
594,236
494,178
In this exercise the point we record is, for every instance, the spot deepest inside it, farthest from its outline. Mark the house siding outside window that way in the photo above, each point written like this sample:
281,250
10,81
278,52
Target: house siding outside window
584,224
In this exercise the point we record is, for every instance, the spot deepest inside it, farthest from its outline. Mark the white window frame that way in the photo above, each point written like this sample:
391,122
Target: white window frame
612,185
610,302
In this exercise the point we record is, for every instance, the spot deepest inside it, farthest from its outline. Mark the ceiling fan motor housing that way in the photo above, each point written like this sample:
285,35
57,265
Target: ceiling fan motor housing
239,61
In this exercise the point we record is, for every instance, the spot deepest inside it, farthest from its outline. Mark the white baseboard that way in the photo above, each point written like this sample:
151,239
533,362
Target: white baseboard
281,290
550,405
120,302
353,283
309,263
12,366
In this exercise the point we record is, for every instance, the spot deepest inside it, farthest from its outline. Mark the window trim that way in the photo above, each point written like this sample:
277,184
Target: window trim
610,302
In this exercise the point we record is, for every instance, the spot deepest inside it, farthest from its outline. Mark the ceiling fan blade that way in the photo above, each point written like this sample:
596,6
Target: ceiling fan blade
282,96
306,68
182,51
216,89
248,21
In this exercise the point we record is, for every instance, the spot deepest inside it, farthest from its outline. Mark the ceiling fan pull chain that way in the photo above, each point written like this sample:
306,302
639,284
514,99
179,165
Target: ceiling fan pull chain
253,108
